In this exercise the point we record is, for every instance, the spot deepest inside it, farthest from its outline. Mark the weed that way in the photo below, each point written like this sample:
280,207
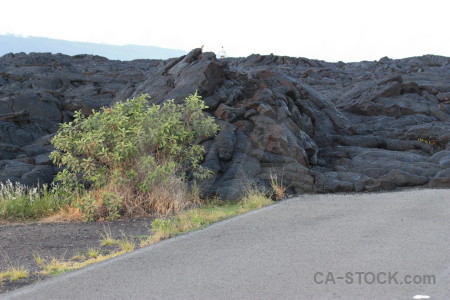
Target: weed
78,257
109,242
126,245
22,202
278,187
67,213
163,228
93,252
18,273
14,274
55,266
204,215
107,238
38,259
255,199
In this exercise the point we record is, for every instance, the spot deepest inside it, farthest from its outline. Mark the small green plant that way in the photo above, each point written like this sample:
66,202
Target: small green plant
93,252
39,259
126,245
131,154
107,238
55,267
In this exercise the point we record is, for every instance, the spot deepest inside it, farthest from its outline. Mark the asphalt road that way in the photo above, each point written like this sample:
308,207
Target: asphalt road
297,249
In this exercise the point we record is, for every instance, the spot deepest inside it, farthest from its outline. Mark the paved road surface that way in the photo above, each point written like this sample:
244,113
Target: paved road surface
296,249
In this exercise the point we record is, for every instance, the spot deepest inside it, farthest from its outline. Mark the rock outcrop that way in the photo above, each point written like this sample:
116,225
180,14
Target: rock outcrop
315,126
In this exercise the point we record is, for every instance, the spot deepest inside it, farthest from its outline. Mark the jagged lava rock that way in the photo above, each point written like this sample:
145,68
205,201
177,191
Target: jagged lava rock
312,125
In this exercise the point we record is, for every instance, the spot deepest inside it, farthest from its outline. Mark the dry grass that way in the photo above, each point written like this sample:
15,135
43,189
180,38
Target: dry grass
204,215
93,252
114,200
168,196
278,187
38,259
109,242
165,198
57,266
255,200
92,255
126,245
78,257
107,238
163,228
14,274
187,214
66,214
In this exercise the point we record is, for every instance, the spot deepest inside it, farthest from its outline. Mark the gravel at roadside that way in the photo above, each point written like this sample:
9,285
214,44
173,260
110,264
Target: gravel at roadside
20,242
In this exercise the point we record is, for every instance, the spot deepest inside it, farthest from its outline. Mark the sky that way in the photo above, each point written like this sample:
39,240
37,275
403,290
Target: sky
331,30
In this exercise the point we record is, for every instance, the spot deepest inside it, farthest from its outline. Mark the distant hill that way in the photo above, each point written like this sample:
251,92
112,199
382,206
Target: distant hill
15,44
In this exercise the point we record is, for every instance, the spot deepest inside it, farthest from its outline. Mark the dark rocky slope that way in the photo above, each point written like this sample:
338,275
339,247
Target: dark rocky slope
318,126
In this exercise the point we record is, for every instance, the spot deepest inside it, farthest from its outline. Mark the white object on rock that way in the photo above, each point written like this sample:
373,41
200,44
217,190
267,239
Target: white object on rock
221,53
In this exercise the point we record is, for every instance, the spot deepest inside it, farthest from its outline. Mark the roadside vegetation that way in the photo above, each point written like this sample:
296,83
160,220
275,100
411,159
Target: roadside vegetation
160,229
204,215
13,274
18,201
132,159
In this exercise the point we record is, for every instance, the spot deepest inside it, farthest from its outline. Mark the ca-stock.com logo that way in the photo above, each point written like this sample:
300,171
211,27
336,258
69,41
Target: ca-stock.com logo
328,278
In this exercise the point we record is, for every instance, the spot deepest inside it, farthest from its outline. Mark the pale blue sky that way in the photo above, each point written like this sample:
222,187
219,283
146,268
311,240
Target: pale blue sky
333,30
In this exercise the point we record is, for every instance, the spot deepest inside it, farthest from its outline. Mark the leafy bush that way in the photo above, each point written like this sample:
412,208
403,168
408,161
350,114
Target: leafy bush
129,151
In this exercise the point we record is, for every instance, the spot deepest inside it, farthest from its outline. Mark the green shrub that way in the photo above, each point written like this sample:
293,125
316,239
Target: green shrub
129,151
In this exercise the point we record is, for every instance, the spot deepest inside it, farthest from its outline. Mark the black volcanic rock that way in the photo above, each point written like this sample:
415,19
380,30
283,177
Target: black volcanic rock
315,126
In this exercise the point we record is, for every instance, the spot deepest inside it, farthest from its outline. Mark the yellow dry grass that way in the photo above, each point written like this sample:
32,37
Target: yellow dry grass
14,274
